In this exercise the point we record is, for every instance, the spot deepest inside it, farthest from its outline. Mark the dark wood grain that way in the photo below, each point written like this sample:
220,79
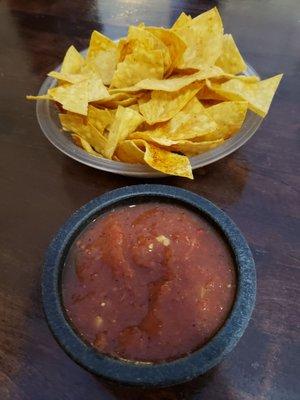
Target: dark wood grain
258,186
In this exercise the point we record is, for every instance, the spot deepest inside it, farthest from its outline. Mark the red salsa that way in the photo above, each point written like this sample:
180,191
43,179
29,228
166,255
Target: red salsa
149,282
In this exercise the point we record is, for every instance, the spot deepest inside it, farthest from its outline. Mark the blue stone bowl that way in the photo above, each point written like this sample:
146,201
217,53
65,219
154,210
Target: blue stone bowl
140,373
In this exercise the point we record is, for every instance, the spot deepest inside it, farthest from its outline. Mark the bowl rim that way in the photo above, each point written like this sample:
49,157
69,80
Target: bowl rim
141,373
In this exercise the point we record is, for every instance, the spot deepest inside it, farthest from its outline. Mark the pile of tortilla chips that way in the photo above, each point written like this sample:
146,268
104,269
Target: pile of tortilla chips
158,96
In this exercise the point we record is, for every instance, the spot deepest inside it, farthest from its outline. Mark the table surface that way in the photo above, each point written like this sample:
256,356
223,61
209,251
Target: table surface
40,187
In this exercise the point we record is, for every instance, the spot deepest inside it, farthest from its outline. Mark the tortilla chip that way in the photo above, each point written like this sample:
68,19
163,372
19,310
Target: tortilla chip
78,124
96,89
75,98
143,38
173,43
178,82
191,149
118,99
192,122
137,66
95,138
80,142
125,47
127,102
135,107
100,119
70,78
104,63
259,95
206,93
102,57
203,37
165,161
41,97
99,43
186,147
127,151
182,21
73,62
164,105
243,78
126,121
229,116
210,102
72,122
230,59
72,97
127,89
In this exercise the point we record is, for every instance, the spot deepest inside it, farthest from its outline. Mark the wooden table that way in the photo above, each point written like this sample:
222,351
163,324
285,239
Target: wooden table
40,187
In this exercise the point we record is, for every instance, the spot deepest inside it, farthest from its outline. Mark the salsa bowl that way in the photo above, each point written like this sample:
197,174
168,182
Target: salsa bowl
147,374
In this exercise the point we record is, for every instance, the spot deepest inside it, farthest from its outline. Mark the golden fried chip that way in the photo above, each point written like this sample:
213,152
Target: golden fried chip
72,97
125,47
102,57
143,38
95,138
100,119
135,107
73,62
230,59
193,121
203,37
243,78
129,89
77,124
70,78
186,147
104,63
182,21
177,82
127,102
173,42
191,149
75,97
126,121
229,116
72,122
118,99
137,66
127,151
99,43
96,90
80,142
259,95
225,77
210,102
164,105
165,161
41,97
206,93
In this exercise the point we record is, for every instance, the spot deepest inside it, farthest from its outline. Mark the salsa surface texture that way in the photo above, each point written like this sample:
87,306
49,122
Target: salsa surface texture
149,282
